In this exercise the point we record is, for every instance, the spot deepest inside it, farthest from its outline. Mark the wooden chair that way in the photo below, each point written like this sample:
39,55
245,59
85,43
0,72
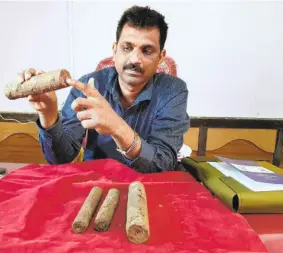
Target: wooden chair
236,138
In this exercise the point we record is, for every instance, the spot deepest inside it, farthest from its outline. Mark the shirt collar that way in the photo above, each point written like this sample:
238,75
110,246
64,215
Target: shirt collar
113,87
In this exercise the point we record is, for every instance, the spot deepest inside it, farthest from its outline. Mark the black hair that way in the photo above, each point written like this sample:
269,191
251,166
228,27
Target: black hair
143,17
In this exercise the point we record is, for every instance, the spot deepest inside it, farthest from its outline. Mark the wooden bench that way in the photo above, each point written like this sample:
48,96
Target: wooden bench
231,137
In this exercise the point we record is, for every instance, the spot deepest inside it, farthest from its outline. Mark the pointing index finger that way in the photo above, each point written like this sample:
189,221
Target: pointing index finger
89,89
91,83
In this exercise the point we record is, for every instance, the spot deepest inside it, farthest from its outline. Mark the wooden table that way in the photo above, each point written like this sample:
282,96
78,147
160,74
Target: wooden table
268,226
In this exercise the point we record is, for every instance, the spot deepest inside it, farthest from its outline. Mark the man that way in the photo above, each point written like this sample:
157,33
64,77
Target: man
130,112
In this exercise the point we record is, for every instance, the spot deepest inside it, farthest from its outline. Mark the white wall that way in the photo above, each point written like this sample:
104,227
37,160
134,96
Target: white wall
230,53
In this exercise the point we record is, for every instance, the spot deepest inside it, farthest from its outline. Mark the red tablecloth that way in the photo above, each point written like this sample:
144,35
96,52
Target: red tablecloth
270,230
39,203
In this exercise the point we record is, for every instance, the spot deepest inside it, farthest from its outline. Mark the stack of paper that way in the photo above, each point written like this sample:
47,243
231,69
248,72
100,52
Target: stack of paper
250,174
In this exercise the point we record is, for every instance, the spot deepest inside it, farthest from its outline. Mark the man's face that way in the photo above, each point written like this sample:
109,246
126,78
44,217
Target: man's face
137,55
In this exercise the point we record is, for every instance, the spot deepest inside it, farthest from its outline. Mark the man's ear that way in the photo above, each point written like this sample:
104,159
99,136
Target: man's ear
114,49
162,56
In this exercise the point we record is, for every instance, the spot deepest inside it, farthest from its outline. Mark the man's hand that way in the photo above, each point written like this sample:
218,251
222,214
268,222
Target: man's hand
95,112
45,104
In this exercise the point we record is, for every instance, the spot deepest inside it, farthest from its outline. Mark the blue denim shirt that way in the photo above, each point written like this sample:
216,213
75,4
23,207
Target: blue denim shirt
158,115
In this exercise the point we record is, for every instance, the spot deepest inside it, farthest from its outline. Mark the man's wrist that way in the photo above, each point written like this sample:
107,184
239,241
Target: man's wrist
127,140
48,120
132,147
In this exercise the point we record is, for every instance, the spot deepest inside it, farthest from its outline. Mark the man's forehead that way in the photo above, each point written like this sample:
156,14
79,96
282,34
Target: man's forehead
148,36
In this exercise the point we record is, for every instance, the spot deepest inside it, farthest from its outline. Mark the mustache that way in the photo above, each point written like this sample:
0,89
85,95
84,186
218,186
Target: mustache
134,67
